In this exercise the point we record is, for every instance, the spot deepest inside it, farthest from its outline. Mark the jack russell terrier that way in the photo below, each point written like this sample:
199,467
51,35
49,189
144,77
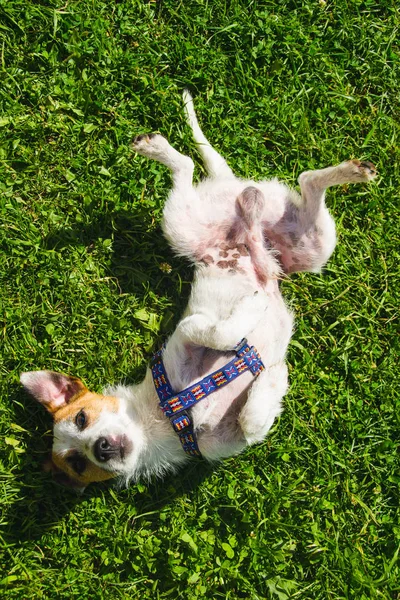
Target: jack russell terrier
217,384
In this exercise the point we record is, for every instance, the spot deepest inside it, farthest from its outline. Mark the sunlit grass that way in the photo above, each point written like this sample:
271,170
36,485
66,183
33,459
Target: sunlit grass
280,87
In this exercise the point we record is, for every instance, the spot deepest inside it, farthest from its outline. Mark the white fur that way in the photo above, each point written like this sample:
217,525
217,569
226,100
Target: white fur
67,437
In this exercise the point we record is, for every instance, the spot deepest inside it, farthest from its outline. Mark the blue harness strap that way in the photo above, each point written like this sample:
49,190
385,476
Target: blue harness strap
176,406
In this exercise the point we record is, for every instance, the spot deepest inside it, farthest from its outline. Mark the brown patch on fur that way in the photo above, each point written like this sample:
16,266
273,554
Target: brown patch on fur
222,264
91,473
232,264
92,404
207,259
224,246
236,255
243,250
223,253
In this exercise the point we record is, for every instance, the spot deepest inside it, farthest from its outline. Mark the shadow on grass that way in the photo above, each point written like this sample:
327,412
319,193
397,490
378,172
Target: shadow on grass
140,253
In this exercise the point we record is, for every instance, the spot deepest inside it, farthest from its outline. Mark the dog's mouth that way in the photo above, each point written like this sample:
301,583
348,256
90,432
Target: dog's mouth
125,447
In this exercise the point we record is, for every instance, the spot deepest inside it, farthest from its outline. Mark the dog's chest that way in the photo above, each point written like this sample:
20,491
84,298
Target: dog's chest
196,362
187,363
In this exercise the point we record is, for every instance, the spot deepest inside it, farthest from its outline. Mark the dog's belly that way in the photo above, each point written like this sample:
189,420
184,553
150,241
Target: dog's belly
229,234
217,199
228,257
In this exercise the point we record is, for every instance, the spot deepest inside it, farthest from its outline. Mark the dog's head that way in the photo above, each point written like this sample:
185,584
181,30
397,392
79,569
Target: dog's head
95,437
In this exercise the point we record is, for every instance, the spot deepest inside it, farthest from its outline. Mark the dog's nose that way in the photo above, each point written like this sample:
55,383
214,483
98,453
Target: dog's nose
104,450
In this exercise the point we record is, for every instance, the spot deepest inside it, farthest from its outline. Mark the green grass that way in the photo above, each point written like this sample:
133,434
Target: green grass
283,86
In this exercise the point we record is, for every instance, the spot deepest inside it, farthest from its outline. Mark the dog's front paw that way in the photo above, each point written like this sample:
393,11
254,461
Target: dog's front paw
363,170
150,144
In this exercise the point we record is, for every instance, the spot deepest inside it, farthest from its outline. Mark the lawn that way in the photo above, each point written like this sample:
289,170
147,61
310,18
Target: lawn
89,287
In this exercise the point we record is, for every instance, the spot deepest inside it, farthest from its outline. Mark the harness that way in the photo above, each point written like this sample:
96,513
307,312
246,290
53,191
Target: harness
176,406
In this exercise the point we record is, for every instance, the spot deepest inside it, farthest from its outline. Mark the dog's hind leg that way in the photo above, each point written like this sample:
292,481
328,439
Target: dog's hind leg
305,235
263,403
216,165
155,146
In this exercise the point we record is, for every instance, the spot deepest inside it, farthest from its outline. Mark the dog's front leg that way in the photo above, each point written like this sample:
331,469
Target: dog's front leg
263,403
223,334
183,212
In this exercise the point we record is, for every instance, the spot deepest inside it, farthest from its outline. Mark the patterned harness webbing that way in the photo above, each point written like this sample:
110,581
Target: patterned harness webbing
176,406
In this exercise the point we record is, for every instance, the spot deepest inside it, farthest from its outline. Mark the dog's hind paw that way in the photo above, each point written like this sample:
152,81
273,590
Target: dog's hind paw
143,137
363,169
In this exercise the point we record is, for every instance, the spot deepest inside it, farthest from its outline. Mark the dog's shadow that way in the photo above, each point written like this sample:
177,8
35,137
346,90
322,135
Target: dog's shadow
137,252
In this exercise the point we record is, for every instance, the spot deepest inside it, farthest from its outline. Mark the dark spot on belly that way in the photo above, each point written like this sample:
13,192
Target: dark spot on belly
243,249
223,253
236,255
207,259
232,264
222,264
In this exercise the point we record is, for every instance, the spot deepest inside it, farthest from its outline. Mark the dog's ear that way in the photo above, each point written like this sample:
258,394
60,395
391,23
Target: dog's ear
51,389
63,478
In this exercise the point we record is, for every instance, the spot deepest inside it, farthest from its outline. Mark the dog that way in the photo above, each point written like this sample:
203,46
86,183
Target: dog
242,237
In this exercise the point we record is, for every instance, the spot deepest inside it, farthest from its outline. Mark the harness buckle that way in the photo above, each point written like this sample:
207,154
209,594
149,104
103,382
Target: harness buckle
240,345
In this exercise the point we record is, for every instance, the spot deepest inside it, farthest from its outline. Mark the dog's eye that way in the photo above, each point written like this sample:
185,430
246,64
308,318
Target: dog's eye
80,420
